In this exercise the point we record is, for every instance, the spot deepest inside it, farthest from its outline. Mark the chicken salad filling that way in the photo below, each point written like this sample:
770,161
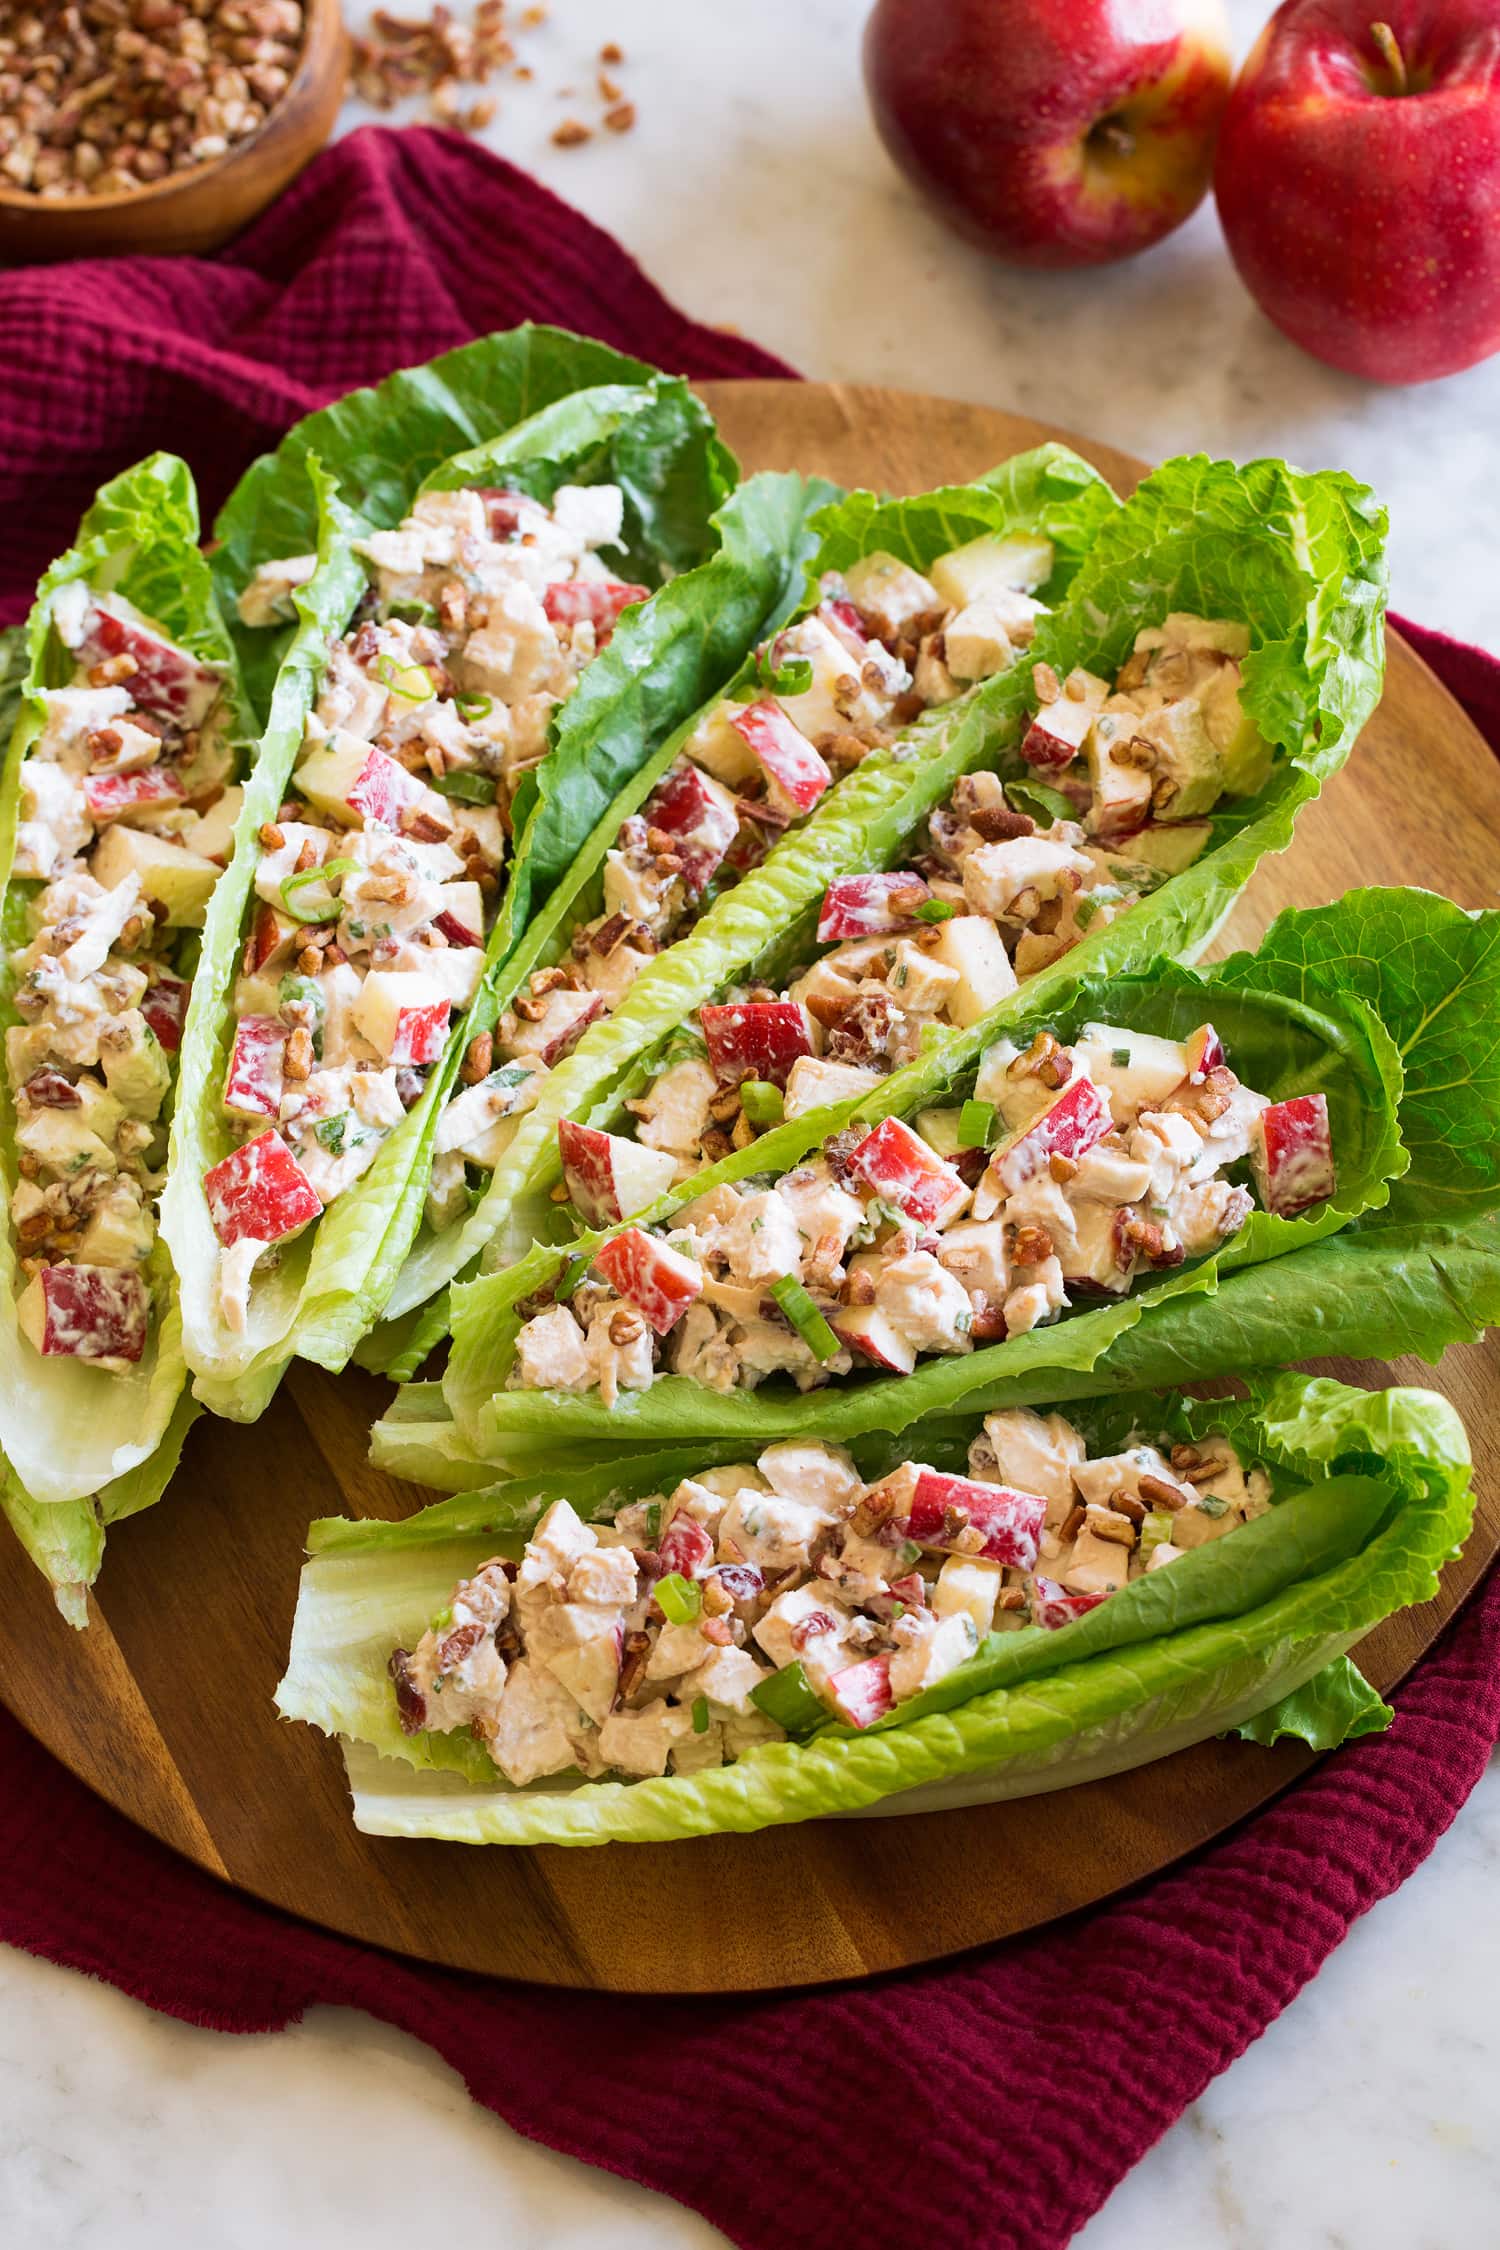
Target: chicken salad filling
991,898
764,1597
377,884
126,820
1071,1171
835,686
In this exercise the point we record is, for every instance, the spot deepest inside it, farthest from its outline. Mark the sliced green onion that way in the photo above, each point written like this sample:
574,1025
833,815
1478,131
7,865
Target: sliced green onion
976,1125
653,1523
1120,1057
762,1103
468,788
412,612
573,1271
292,884
934,910
329,1132
411,683
700,1714
472,707
789,1699
792,678
910,1553
678,1598
805,1316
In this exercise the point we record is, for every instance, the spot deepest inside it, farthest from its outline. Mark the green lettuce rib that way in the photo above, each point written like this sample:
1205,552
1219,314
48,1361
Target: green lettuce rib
864,821
73,1436
1372,1495
1276,1042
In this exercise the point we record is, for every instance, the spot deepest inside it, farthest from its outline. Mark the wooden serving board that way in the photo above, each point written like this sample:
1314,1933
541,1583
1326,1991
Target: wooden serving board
164,1705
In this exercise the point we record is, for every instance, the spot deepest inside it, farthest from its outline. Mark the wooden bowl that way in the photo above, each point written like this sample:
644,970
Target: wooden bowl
194,210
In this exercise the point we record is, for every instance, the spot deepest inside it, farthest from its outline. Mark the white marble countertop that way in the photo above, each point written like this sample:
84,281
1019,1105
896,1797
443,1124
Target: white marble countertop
754,191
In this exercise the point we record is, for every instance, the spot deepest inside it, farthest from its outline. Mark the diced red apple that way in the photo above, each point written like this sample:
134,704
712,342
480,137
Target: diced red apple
592,601
253,1084
167,680
859,906
164,1006
699,814
650,1275
841,617
404,1015
114,796
685,1548
273,938
1077,1119
259,1190
1052,1605
86,1312
354,783
796,776
1291,1154
567,1017
48,1089
756,1038
1205,1051
861,1693
866,1330
944,1508
460,914
608,1177
505,512
1057,734
740,1581
903,1170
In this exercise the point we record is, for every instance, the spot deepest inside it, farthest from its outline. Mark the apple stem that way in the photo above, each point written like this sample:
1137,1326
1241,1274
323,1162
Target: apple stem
1390,48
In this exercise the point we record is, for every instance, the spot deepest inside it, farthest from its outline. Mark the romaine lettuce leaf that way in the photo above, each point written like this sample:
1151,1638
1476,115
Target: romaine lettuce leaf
380,443
69,1430
1277,1043
1372,1489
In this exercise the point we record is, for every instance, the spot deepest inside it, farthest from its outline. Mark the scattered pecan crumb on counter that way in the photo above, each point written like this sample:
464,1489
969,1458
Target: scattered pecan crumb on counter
98,97
441,52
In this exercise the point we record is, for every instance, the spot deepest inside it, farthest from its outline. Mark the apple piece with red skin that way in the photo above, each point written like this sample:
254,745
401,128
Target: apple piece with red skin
48,1089
1051,132
796,776
741,1581
699,815
253,1082
650,1275
86,1312
843,619
404,1015
506,512
1358,183
943,1508
865,1329
1291,1155
1077,1119
861,1693
755,1039
1052,1605
568,1016
168,681
860,906
164,1004
903,1170
609,1177
1205,1052
591,601
110,796
1057,734
273,937
259,1189
685,1548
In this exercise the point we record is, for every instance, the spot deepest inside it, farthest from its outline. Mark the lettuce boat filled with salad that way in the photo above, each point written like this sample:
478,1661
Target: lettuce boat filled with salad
128,765
480,658
703,1641
1215,657
1022,1197
839,734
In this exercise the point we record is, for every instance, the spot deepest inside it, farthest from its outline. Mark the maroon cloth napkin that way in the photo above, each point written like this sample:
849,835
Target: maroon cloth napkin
996,2100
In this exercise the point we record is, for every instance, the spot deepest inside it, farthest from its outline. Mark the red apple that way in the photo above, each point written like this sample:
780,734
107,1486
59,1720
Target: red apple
1358,181
1052,132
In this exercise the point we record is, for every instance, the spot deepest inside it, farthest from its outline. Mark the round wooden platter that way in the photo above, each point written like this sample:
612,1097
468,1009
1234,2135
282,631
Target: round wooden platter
164,1705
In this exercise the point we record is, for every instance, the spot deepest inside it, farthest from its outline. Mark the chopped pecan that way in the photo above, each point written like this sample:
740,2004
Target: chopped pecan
479,1057
1160,1493
997,824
